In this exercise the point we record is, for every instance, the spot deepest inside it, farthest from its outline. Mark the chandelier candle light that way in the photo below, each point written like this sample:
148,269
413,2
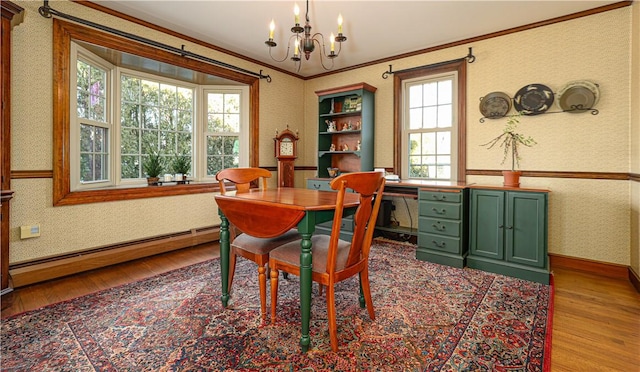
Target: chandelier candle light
307,43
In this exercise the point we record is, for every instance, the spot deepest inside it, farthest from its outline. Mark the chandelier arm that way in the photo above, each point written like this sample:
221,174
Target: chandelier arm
288,49
323,54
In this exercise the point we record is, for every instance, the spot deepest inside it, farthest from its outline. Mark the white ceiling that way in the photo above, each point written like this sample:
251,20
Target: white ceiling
375,29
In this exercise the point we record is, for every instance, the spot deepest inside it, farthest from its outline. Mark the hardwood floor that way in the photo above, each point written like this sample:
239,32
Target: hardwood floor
596,322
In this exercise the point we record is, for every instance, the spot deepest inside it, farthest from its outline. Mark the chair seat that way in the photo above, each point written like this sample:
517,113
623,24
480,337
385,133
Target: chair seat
260,246
290,253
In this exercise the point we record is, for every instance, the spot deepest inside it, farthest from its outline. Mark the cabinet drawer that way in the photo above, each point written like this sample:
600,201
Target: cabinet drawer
439,242
440,196
346,225
440,226
440,210
319,185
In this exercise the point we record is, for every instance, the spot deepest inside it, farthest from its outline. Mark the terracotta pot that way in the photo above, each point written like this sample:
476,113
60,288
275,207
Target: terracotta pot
511,178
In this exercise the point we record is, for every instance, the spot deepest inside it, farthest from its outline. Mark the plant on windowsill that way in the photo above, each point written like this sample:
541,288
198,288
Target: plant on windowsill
510,141
152,167
181,166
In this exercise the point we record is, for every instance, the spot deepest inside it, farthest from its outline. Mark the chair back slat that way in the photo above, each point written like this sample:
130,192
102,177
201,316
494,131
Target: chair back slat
242,178
370,186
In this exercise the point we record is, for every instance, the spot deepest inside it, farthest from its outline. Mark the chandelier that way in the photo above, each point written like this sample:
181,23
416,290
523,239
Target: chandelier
307,43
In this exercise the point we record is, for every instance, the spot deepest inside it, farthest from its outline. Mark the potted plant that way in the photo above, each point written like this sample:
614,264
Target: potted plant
181,166
152,167
510,141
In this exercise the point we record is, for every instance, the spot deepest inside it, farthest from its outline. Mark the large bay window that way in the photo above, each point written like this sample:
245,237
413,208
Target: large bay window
111,113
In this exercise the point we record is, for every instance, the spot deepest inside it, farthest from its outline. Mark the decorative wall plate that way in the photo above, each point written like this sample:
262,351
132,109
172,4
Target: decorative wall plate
495,105
533,99
578,96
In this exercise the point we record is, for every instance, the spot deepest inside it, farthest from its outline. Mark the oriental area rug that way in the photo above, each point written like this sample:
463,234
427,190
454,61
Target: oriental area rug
429,317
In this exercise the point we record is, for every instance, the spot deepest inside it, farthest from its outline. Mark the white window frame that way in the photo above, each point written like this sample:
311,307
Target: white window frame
243,156
80,53
113,109
118,112
406,85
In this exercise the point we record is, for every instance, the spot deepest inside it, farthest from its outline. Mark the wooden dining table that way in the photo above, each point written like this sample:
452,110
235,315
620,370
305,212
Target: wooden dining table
272,212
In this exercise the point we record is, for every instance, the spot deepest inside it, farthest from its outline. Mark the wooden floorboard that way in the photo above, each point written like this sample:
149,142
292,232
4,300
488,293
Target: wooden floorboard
596,322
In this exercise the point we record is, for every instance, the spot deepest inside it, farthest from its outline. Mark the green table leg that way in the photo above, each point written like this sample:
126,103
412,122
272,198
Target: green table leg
306,228
224,258
305,290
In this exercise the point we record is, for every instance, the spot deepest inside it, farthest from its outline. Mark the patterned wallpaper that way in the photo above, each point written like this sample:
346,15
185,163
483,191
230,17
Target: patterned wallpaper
588,218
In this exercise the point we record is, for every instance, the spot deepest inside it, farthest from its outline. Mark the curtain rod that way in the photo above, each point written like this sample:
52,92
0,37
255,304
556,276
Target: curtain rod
47,12
469,57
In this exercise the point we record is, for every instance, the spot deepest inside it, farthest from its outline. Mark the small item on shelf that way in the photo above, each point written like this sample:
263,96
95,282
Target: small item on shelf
167,177
358,146
333,172
345,147
332,147
331,125
356,125
345,126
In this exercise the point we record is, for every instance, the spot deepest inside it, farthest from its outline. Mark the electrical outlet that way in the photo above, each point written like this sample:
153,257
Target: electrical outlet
29,231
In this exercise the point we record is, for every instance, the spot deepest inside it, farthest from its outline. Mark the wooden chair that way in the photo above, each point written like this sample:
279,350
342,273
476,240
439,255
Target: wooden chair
335,260
249,247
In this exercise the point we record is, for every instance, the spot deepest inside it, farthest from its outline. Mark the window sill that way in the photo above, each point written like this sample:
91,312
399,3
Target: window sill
132,192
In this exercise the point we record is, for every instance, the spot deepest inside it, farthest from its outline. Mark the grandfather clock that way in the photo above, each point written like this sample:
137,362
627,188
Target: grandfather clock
286,152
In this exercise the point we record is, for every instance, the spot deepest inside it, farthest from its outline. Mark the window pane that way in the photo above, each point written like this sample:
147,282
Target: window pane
167,121
150,117
129,141
445,116
129,117
215,123
415,118
185,120
215,102
445,92
94,154
130,89
184,99
430,95
444,143
168,95
430,117
150,92
214,165
415,96
130,167
232,123
428,143
232,103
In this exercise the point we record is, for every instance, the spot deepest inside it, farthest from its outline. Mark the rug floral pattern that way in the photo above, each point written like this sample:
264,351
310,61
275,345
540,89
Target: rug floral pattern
429,317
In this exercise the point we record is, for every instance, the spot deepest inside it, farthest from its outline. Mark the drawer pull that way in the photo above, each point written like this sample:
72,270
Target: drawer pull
441,245
442,198
443,211
439,227
316,186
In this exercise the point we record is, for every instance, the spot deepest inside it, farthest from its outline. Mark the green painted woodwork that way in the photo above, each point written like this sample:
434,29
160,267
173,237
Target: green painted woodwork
351,160
508,233
442,226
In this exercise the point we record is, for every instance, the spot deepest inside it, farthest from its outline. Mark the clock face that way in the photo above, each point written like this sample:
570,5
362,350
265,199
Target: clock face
286,148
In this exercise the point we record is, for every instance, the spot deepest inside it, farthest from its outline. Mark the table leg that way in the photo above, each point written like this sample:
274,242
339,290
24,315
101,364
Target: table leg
224,258
305,290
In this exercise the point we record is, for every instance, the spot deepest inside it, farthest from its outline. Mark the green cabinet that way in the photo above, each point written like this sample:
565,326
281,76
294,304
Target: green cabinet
442,226
346,128
508,233
346,228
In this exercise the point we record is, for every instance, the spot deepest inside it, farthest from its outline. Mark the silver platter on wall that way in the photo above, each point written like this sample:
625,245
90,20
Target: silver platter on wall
495,105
